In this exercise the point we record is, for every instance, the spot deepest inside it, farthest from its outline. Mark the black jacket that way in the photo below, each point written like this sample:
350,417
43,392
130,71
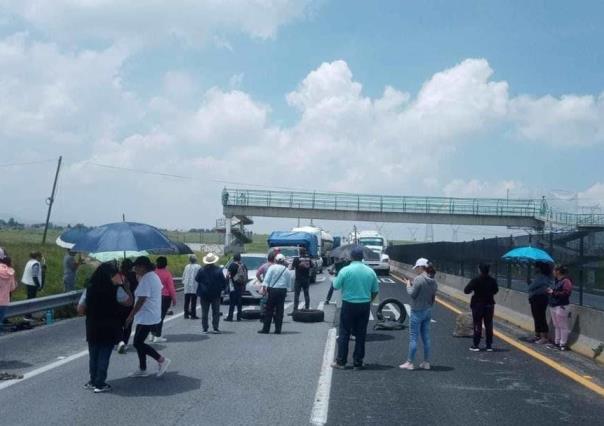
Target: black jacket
211,282
103,319
484,288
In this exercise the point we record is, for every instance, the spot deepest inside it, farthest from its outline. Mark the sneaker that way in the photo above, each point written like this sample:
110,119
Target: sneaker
489,349
553,346
217,331
139,373
204,332
101,389
229,319
262,332
163,366
407,366
338,366
121,348
327,302
542,341
474,348
160,339
89,386
425,365
563,348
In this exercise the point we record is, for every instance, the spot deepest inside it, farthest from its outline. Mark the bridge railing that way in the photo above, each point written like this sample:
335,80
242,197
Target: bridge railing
379,203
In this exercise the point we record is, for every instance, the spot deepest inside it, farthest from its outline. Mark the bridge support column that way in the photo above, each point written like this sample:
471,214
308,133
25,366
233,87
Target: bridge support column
228,233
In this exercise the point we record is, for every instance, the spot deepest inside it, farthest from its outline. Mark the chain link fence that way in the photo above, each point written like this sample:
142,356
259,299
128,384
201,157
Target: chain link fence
582,251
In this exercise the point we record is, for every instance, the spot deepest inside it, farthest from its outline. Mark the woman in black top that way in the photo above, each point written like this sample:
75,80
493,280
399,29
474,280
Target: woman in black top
482,304
102,305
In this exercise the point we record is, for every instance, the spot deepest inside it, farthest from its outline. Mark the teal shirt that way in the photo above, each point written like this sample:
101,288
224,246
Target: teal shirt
357,281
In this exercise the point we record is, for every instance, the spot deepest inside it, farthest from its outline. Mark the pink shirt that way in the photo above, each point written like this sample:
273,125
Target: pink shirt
167,283
8,284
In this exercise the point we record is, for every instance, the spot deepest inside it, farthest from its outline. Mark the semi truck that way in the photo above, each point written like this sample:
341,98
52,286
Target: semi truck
289,243
376,242
325,242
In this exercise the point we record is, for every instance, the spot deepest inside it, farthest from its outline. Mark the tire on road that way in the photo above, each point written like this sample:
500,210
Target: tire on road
308,315
395,302
251,314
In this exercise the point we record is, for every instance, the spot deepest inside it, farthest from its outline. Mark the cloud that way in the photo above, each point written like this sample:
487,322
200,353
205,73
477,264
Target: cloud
592,196
155,21
476,188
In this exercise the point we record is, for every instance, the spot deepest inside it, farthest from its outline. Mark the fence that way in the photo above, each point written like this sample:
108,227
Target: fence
581,251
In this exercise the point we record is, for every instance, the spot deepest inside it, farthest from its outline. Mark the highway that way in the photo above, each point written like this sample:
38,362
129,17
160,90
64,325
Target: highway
241,377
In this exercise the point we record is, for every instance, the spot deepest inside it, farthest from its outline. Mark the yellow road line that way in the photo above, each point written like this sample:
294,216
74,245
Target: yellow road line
547,361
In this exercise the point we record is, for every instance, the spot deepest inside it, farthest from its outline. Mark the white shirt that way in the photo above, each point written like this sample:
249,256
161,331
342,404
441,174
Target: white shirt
188,278
150,287
32,269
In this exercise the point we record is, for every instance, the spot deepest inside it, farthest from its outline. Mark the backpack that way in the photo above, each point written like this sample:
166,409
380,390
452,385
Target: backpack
240,277
304,263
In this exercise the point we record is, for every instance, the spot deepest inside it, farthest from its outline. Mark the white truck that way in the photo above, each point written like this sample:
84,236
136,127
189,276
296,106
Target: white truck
325,243
376,242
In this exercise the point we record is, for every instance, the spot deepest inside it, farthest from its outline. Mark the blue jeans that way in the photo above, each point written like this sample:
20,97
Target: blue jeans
419,324
99,354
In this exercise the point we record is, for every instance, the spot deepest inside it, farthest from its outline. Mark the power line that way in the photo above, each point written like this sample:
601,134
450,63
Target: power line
146,172
26,163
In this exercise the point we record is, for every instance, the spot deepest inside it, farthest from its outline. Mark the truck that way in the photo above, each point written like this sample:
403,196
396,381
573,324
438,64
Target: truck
289,243
325,242
376,242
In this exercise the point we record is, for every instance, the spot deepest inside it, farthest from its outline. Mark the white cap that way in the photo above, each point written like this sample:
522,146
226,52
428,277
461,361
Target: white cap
422,262
279,258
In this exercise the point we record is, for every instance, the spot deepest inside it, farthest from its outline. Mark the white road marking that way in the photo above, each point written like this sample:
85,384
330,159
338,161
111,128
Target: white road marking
370,316
408,309
391,308
387,280
321,306
320,407
59,363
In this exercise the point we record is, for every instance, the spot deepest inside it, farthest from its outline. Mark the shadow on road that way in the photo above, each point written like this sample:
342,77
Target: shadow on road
378,337
377,367
13,365
185,337
171,383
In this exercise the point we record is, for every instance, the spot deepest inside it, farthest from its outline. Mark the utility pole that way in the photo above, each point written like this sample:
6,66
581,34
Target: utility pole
51,199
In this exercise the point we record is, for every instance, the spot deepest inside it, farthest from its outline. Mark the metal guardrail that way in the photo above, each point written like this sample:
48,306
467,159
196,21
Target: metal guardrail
528,208
41,304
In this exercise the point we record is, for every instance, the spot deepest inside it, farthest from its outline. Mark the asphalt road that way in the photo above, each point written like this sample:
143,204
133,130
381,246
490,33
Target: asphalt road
241,377
506,387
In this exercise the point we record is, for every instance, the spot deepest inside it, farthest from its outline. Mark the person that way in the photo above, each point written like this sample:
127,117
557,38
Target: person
130,283
146,314
188,280
559,301
168,296
100,302
539,299
32,274
211,282
8,283
302,265
260,274
276,283
423,293
359,285
70,268
337,267
237,277
483,289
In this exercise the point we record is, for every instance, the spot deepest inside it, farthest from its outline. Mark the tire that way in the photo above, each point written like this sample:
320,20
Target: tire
396,303
308,315
251,314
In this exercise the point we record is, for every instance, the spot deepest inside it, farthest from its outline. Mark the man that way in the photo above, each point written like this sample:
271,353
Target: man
188,280
32,275
211,282
276,283
359,285
237,275
146,314
302,265
70,267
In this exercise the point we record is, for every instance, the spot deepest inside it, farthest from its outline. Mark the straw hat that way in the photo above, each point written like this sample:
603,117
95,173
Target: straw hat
210,259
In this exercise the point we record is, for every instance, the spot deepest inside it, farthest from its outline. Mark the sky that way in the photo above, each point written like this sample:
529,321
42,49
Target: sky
156,106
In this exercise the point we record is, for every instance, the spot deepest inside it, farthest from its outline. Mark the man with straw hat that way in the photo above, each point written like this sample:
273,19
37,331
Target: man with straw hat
211,282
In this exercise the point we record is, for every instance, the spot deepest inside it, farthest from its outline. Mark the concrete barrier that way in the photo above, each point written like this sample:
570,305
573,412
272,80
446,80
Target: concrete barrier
587,324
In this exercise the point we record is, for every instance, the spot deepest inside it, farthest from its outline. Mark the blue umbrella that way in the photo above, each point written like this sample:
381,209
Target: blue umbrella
124,236
70,236
528,255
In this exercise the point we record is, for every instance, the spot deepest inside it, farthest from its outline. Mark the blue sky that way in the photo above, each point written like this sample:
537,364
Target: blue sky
485,96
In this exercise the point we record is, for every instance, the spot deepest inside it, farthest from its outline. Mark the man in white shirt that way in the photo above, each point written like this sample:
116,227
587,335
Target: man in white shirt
146,314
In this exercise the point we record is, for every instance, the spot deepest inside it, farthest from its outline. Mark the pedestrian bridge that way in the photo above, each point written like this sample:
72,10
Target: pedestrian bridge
401,209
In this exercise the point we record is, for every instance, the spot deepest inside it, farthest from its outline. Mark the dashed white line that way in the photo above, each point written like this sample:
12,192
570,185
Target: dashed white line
321,306
320,407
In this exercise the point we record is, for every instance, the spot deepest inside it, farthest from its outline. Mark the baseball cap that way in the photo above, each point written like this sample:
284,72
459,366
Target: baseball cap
422,262
279,258
356,253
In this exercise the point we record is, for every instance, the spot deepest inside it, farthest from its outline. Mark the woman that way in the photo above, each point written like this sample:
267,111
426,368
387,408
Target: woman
482,304
188,280
8,283
558,301
538,298
168,295
100,303
130,282
423,293
276,282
